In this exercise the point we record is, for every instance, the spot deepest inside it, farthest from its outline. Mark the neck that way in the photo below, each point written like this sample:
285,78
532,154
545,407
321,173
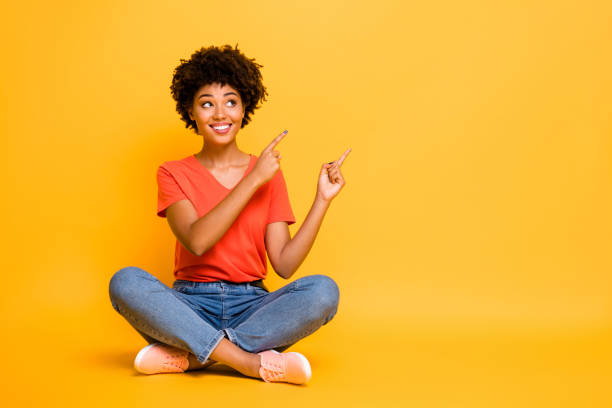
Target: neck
221,155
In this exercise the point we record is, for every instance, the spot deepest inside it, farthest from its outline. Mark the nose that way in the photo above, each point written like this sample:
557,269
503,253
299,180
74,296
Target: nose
219,112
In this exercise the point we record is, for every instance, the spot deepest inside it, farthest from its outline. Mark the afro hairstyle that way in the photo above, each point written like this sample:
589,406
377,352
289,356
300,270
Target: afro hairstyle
223,65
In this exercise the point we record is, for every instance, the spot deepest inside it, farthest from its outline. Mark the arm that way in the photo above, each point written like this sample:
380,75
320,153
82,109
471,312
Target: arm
287,254
210,228
199,235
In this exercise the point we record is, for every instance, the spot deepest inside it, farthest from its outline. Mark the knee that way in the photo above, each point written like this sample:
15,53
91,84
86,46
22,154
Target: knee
125,282
326,293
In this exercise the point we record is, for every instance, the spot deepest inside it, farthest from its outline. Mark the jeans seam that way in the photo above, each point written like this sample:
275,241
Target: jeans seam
208,349
222,303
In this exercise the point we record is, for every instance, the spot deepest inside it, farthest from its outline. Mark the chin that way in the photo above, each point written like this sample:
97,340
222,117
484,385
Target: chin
220,140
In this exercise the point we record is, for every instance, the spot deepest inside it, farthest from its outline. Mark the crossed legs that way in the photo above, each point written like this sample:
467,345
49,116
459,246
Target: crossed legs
284,317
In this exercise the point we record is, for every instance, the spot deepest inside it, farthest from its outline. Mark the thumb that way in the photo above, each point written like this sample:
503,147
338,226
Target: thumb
324,168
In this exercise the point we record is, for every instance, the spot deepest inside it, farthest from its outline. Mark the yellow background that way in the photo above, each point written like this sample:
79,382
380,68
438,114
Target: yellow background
471,242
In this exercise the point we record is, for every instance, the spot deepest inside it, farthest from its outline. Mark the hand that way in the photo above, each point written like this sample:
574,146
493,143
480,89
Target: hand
330,178
268,162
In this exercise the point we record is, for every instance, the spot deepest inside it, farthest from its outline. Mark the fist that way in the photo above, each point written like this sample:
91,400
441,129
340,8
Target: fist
331,180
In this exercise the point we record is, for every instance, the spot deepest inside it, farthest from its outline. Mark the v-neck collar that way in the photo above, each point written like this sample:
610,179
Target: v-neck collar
209,174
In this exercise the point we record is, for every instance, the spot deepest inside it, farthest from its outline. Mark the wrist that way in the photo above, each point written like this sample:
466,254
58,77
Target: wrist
253,181
319,199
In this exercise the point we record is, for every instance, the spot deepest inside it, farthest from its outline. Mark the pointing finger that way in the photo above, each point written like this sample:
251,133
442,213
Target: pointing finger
341,159
276,140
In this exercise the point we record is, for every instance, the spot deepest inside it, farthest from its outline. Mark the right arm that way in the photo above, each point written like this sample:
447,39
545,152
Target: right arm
199,235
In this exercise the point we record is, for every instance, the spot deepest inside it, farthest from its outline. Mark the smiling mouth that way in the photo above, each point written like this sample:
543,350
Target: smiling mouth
224,128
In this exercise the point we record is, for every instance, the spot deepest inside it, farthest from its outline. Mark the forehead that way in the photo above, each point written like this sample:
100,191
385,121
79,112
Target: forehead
216,89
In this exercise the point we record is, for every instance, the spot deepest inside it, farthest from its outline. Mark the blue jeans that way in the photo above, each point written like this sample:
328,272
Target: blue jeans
196,316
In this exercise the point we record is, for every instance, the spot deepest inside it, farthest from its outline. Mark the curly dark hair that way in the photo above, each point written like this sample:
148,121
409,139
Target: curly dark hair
223,65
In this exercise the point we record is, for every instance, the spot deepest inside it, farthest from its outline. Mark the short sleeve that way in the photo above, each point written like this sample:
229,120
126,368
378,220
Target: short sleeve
168,191
280,206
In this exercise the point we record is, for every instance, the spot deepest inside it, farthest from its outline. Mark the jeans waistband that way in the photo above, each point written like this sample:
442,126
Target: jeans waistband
192,284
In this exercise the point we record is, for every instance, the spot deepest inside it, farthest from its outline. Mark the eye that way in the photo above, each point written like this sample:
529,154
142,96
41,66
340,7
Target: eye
232,102
204,105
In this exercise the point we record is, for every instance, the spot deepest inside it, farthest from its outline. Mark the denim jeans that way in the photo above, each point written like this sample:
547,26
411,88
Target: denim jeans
196,316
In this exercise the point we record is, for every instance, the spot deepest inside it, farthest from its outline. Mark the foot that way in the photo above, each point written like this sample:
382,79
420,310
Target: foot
289,367
161,358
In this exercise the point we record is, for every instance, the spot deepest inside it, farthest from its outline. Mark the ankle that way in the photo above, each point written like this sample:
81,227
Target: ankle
240,360
194,364
251,366
256,365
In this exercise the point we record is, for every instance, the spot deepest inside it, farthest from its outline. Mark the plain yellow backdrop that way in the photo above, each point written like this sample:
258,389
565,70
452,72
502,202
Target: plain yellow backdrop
471,242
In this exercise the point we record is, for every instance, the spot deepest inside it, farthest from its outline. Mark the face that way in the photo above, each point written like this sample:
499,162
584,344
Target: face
218,112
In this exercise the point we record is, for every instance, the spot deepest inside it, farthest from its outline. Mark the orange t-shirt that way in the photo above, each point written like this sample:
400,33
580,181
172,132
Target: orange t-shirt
240,255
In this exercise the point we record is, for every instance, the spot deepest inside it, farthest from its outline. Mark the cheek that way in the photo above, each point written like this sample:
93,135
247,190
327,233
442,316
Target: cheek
202,115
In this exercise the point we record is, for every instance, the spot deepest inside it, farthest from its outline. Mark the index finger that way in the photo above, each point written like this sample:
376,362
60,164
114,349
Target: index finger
341,159
275,141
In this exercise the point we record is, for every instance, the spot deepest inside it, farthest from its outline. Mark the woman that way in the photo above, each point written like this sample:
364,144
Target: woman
228,209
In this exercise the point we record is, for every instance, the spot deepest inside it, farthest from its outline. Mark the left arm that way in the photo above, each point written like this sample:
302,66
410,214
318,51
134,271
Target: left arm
287,254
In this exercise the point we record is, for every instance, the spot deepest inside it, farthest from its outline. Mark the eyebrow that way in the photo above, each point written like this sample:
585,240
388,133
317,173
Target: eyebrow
225,94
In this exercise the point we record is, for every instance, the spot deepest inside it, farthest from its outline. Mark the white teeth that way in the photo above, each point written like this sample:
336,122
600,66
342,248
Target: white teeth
220,127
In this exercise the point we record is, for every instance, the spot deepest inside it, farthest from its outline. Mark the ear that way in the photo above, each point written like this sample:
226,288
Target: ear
190,114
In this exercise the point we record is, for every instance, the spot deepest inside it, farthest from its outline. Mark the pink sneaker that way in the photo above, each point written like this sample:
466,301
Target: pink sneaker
161,358
289,367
